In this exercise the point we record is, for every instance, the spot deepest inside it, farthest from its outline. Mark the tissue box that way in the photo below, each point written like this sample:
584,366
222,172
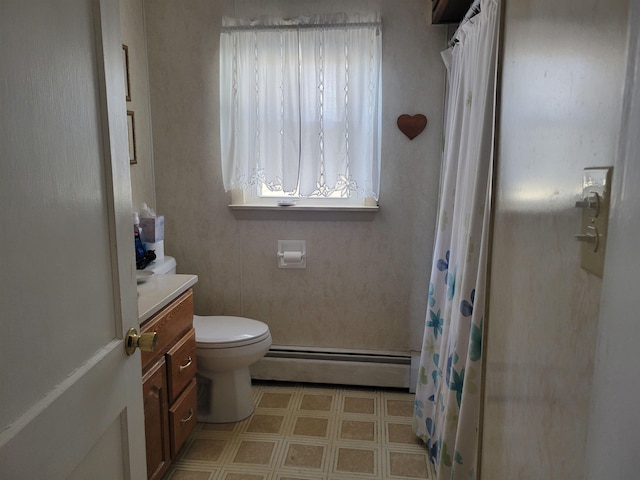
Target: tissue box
152,229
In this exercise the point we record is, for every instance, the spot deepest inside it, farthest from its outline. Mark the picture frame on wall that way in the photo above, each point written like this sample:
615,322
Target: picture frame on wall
127,80
131,127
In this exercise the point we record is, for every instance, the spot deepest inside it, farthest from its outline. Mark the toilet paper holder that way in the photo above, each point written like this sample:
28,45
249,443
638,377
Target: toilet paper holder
292,254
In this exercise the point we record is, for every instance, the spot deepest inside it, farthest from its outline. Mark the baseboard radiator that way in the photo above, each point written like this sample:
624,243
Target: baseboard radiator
334,366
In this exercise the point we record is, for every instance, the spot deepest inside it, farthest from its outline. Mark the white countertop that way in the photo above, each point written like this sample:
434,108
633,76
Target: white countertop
160,290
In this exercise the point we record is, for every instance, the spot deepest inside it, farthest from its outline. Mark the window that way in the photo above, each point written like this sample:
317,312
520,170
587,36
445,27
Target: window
300,108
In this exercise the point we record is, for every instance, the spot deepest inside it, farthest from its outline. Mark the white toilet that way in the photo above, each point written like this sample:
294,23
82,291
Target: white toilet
225,347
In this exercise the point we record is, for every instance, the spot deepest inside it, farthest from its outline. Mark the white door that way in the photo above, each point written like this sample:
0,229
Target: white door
70,398
614,422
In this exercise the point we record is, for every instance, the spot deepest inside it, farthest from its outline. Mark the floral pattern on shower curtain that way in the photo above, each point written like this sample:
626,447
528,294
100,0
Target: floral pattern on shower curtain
448,394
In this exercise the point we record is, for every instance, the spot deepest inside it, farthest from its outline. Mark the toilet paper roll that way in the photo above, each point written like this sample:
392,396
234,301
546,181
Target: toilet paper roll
292,257
157,247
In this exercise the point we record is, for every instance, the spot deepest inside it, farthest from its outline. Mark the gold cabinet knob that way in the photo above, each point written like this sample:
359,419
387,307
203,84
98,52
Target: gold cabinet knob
146,342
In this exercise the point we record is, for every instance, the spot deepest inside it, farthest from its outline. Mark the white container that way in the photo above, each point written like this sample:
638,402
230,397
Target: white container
152,229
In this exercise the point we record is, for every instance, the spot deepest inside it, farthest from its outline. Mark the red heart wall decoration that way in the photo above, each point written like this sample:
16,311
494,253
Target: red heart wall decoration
412,125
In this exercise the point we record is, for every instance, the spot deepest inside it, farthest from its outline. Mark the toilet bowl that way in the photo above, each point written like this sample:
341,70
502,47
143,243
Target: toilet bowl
225,348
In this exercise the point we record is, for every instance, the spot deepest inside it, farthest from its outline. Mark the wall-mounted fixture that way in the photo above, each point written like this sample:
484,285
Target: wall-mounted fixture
596,197
412,125
292,254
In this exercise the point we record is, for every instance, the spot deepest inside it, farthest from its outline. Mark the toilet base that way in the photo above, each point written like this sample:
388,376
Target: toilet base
225,397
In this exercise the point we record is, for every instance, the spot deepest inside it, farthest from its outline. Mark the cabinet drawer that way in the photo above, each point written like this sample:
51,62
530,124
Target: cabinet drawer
169,324
183,417
181,362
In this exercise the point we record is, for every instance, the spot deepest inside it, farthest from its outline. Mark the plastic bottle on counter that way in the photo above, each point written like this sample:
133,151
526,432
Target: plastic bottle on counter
140,250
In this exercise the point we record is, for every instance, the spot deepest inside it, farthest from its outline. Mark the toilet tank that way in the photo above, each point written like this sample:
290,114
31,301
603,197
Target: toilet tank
162,266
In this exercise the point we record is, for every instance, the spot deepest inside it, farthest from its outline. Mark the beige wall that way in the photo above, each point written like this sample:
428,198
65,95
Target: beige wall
133,35
562,78
366,280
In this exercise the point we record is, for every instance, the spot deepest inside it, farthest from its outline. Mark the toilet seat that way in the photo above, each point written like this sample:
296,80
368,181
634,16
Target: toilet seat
228,332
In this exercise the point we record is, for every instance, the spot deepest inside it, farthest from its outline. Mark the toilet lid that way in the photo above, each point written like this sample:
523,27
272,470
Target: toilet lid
225,331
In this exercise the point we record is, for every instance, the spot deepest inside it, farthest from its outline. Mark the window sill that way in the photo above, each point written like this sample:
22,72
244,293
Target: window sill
305,213
305,208
244,208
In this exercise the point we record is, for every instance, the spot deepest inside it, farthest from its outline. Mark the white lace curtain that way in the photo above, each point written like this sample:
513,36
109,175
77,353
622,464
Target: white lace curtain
300,105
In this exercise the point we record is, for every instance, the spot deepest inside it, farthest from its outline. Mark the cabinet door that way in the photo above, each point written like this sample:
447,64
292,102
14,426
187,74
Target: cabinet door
156,420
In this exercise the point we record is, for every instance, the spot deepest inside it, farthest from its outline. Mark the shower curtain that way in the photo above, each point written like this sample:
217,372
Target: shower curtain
448,393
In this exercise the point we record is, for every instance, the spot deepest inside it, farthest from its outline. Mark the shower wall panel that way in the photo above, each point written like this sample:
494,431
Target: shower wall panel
562,78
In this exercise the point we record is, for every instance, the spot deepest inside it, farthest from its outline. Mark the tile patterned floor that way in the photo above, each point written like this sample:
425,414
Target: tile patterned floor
309,432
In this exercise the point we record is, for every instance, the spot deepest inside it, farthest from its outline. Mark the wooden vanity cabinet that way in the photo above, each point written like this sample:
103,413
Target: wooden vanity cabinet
169,383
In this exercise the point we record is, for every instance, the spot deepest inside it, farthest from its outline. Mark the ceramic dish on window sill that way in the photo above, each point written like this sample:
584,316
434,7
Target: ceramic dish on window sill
143,275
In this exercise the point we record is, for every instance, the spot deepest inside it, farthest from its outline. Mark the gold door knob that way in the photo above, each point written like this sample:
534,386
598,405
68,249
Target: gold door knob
146,342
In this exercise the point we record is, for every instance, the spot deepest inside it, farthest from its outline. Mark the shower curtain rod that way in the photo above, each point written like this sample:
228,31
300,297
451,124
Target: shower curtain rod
472,12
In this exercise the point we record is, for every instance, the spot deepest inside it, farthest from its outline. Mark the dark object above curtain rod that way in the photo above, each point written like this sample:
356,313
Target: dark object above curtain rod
472,12
448,11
